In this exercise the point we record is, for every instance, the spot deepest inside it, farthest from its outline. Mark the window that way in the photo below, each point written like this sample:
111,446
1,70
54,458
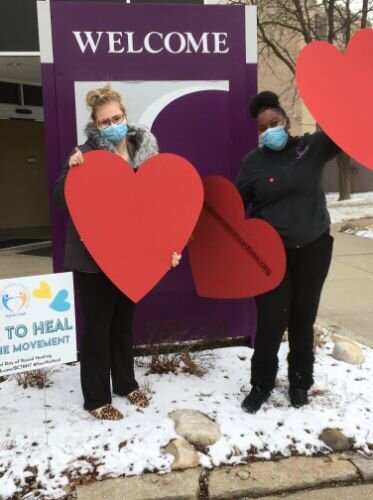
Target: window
10,93
32,95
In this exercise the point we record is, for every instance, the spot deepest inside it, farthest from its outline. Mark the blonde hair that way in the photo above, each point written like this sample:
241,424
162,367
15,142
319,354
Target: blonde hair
99,97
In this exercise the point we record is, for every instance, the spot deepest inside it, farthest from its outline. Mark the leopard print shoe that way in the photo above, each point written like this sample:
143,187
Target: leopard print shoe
138,398
107,412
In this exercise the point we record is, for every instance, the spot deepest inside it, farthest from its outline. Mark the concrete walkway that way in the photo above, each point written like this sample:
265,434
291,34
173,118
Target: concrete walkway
308,478
14,264
347,299
360,492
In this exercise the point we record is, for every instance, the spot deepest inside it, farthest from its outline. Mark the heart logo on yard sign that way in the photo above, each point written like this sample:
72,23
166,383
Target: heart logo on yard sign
337,89
131,222
233,257
60,302
43,292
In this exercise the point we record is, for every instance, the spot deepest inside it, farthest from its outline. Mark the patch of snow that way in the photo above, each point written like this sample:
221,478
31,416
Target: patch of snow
363,233
77,443
358,207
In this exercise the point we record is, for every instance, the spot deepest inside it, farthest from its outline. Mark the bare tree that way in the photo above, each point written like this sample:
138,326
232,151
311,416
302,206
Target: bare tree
284,26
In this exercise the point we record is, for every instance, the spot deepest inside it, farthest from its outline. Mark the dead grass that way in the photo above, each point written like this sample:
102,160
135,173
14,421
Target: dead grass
321,336
34,378
161,362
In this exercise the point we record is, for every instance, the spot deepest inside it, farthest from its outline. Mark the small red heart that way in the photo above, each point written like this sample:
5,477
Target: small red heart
233,257
337,89
131,222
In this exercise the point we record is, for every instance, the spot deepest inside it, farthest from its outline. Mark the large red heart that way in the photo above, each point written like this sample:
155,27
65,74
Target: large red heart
233,257
337,89
131,222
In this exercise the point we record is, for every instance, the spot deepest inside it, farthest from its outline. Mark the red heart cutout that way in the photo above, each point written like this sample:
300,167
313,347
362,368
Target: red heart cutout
233,257
131,222
337,88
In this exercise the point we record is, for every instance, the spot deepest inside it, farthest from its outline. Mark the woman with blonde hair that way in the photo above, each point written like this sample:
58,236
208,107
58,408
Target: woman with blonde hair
106,346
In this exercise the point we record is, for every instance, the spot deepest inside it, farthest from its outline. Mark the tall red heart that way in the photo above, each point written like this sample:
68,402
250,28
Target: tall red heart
131,222
233,257
337,89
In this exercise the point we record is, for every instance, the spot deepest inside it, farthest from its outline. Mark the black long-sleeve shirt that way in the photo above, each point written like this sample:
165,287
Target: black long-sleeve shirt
284,187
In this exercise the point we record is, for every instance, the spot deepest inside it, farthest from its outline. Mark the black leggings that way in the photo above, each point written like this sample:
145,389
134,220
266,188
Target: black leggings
293,305
106,345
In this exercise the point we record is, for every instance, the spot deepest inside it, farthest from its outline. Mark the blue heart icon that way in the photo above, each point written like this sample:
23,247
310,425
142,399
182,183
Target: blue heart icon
59,303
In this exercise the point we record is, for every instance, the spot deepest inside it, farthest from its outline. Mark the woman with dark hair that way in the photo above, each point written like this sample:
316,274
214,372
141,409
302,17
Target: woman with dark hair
106,346
282,181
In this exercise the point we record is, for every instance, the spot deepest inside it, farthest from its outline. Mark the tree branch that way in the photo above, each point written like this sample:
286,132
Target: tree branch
275,48
302,21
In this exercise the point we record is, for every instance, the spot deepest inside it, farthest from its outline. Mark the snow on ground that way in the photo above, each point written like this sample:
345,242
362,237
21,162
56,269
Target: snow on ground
78,444
358,207
363,233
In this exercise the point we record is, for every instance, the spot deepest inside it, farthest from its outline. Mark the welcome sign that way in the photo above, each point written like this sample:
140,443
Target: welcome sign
37,322
154,42
188,73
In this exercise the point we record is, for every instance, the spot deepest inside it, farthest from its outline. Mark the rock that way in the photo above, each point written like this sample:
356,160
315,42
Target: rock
274,477
183,485
336,337
195,427
186,456
365,467
348,351
236,451
335,439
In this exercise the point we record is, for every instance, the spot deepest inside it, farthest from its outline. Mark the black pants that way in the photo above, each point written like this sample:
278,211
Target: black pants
106,346
293,305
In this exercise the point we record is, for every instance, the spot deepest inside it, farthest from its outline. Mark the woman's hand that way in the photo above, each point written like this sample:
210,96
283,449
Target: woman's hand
175,260
76,158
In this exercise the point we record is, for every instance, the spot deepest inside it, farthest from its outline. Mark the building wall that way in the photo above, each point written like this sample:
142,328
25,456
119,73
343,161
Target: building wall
23,186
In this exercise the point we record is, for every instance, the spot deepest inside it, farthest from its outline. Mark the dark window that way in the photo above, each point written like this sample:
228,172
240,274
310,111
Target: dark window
10,93
32,95
19,26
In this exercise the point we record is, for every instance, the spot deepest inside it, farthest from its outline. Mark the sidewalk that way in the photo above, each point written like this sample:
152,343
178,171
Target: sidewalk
347,299
14,264
295,478
360,492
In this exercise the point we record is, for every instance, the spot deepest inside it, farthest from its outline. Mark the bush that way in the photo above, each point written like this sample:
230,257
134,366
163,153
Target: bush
34,378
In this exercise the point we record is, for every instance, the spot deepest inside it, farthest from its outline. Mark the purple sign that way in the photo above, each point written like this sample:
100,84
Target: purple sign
187,72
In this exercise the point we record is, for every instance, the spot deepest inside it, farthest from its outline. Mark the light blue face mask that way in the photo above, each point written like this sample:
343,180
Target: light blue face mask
114,133
275,138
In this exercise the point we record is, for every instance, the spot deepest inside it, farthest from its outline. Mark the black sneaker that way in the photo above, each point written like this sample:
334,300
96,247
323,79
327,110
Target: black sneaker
298,396
255,399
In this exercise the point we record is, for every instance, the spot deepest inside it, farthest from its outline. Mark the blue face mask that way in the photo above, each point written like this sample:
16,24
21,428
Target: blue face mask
114,133
275,138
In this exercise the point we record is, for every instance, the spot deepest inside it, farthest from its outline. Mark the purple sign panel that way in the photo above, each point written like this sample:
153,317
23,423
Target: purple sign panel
187,72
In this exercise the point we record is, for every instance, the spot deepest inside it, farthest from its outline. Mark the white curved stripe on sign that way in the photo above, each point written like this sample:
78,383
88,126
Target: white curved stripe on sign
151,112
